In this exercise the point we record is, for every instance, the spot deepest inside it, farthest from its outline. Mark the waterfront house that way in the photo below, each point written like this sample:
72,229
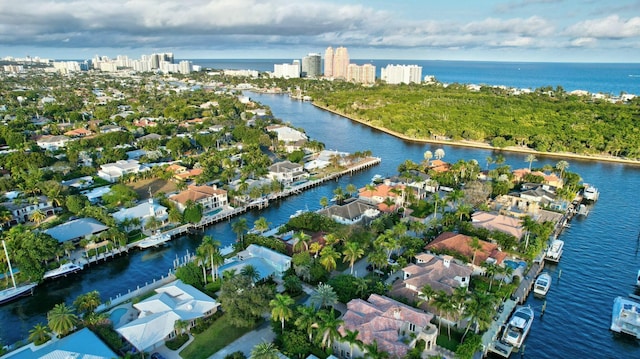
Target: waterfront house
210,197
158,314
351,212
266,261
143,212
438,272
183,173
22,208
293,139
52,143
76,230
498,222
287,172
550,179
113,171
381,193
395,326
450,242
83,344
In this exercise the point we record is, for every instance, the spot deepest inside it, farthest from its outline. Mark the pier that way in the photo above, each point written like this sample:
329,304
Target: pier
527,282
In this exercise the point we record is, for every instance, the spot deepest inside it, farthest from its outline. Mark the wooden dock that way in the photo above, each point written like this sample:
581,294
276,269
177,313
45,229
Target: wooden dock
527,282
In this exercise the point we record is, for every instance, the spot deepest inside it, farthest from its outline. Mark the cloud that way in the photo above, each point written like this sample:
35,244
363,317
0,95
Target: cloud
610,27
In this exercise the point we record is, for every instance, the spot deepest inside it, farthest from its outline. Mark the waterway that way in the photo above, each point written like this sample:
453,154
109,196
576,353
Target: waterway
600,260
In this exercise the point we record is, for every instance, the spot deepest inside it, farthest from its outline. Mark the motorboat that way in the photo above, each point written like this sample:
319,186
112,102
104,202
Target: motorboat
298,213
554,251
583,210
542,284
16,291
518,327
63,270
625,317
154,240
590,193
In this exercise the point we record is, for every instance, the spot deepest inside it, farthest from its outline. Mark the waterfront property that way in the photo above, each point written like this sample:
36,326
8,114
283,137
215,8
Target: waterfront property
351,212
114,171
143,212
498,222
266,261
460,243
287,172
625,317
210,197
81,344
159,313
396,327
76,230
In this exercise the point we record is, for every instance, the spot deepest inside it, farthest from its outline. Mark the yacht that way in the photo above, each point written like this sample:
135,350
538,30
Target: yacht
154,240
16,291
625,317
518,327
542,284
583,210
590,193
63,270
554,252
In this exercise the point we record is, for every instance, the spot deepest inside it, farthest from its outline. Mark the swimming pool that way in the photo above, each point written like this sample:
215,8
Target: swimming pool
116,315
513,264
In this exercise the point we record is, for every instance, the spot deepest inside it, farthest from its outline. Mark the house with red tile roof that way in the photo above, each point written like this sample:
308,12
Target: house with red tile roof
459,243
439,166
78,132
380,193
183,173
210,197
551,179
498,222
395,326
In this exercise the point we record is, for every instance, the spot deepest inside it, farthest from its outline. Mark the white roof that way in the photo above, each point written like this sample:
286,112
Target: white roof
140,211
158,314
75,229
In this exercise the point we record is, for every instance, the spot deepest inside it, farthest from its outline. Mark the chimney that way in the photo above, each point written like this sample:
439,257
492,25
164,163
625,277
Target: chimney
446,261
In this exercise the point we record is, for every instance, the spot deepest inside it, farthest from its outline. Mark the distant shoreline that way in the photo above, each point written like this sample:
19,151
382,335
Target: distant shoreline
486,146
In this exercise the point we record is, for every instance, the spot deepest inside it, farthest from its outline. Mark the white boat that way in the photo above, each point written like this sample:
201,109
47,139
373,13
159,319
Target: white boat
63,270
583,210
638,278
625,317
154,240
14,292
518,327
298,212
554,252
542,284
590,193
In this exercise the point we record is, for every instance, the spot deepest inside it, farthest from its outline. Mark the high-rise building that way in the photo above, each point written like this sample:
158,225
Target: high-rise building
340,63
311,65
396,74
328,62
365,74
288,71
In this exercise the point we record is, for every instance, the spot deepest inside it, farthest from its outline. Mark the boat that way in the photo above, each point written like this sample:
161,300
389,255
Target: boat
154,240
63,270
638,278
625,317
377,179
590,193
542,284
583,210
298,213
554,251
518,327
14,292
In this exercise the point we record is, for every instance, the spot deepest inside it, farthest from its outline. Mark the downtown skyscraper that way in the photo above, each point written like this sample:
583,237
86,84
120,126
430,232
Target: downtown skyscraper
336,62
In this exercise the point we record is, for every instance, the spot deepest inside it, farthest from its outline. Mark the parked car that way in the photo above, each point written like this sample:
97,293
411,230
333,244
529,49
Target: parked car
156,356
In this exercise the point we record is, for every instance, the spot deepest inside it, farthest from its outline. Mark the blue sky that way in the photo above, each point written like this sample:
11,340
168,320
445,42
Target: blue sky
483,30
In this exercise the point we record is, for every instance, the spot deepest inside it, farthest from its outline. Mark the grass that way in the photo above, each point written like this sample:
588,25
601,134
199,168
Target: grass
443,338
217,336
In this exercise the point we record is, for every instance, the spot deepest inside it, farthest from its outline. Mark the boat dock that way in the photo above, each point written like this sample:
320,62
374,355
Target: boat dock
490,339
526,284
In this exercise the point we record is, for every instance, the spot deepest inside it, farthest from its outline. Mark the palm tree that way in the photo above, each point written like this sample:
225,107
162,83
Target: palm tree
478,310
264,350
239,227
489,161
530,158
281,308
61,319
307,320
351,337
351,189
370,188
324,296
562,166
444,306
202,257
324,202
529,226
39,334
209,247
439,154
373,352
351,253
328,326
490,269
37,216
251,272
88,302
180,326
339,195
475,246
261,224
427,293
328,257
464,210
428,155
301,240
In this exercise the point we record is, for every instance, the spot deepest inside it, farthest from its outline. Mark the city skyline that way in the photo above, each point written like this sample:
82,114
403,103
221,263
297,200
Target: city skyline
492,30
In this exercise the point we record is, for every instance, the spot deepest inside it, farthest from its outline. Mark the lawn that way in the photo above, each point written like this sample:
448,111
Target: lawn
217,336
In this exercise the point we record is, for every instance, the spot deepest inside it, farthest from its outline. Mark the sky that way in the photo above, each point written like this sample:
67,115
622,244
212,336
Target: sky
475,30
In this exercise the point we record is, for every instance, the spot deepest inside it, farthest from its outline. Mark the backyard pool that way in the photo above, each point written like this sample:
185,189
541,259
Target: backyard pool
116,315
514,265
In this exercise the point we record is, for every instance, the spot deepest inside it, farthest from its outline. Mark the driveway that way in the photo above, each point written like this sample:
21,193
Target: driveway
246,342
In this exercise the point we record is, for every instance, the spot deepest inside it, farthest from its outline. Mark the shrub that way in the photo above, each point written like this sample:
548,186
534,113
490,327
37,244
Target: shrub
177,342
236,355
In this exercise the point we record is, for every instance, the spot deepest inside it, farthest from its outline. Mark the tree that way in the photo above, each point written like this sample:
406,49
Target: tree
250,272
351,253
324,202
328,326
61,319
192,212
351,189
475,246
478,310
301,241
428,155
264,350
439,154
351,337
307,320
490,270
530,158
328,258
39,334
324,296
281,308
562,166
445,308
119,195
373,352
261,224
87,303
240,227
243,302
37,216
426,293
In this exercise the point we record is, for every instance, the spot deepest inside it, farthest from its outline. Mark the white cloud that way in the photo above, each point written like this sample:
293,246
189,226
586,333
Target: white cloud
610,27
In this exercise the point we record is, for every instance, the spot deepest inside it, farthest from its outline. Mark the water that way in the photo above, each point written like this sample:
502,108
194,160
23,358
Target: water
600,259
609,78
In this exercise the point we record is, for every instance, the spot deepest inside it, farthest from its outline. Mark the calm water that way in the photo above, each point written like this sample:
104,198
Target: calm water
599,263
592,77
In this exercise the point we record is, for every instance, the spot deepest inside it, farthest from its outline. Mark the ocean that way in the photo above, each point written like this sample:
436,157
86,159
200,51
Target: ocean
607,78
